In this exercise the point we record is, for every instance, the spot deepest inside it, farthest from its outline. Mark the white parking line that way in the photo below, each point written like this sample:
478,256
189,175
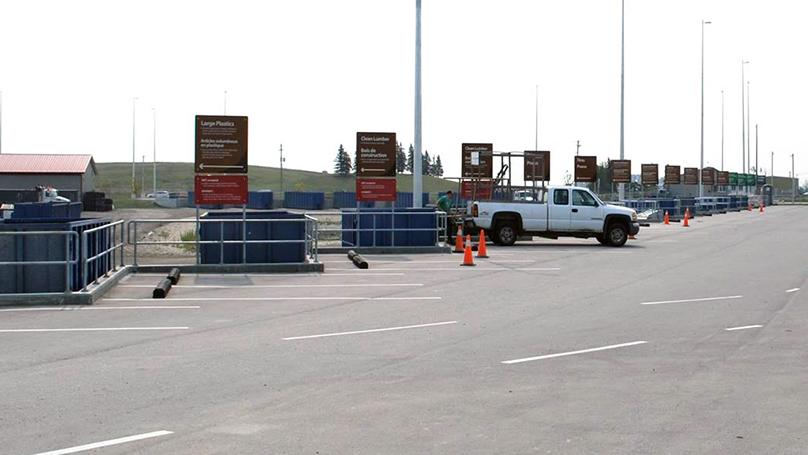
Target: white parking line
543,269
223,286
369,331
793,290
694,300
65,308
744,327
280,275
258,299
111,442
503,261
584,351
92,329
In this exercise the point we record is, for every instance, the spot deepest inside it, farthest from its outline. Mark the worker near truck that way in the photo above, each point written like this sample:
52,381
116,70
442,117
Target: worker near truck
444,203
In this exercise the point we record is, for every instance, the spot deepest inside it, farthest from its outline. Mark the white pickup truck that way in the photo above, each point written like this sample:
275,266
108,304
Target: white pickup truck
567,212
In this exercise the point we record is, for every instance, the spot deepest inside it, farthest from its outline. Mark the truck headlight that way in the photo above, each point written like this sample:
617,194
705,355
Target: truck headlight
633,216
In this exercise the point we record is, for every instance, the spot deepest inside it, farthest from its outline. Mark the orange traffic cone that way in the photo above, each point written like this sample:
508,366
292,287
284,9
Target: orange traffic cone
749,207
481,252
761,207
687,217
459,240
667,218
468,258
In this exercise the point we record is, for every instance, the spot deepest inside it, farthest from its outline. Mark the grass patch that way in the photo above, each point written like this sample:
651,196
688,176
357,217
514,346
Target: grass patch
188,236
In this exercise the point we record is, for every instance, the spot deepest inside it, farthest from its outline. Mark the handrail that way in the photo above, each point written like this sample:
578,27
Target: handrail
111,230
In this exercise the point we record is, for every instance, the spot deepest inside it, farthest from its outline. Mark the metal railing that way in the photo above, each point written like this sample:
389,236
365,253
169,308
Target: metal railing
359,226
70,239
104,246
311,236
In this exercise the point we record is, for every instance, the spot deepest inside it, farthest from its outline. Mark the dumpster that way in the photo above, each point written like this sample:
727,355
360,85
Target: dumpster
306,200
50,278
47,210
382,221
257,253
261,200
404,200
347,200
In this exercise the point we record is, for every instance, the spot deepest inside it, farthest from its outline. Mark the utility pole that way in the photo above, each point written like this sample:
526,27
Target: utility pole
417,182
621,190
134,195
577,148
793,180
722,130
281,171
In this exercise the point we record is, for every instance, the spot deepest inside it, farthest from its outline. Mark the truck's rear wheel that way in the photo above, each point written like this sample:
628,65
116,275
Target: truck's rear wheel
616,234
505,233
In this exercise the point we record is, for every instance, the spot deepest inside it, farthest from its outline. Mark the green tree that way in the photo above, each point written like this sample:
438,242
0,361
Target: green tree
342,163
401,159
437,167
408,165
426,163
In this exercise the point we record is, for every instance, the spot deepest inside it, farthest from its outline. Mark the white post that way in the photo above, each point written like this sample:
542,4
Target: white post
621,188
417,183
793,180
134,195
536,144
743,120
722,130
749,135
154,157
701,165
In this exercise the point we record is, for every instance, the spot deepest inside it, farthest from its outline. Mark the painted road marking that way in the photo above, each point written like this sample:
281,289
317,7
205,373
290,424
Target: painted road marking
111,442
248,299
66,308
504,261
693,300
279,275
584,351
369,331
543,269
744,327
793,290
92,329
224,286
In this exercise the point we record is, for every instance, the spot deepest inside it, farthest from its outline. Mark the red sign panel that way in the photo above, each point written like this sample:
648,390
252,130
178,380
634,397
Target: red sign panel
375,189
220,189
476,190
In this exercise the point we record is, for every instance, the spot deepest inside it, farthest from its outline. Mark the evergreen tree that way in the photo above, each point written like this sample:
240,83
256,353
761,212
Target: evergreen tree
426,163
437,167
408,165
401,159
342,163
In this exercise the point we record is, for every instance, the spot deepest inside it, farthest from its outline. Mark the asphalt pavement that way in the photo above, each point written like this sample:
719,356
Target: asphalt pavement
685,341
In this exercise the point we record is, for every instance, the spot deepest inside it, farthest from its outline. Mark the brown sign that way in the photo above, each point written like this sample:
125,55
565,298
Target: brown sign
375,189
621,171
586,168
649,174
723,178
375,154
708,176
691,176
221,145
476,190
220,189
537,166
478,161
673,175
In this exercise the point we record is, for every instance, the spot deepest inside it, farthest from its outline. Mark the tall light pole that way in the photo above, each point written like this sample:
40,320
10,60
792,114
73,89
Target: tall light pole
743,120
756,153
134,192
417,184
281,195
142,175
722,130
772,182
225,102
701,165
154,157
621,188
536,146
749,135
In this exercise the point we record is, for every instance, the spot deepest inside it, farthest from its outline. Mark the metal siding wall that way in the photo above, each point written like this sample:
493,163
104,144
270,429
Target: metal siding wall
29,181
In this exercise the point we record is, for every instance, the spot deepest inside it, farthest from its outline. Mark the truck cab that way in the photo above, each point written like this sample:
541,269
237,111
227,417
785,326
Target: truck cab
565,211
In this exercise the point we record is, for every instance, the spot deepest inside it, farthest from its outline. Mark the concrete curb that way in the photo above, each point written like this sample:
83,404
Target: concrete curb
387,250
234,268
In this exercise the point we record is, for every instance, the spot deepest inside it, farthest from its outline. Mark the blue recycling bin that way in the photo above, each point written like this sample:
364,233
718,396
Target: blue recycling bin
376,227
257,253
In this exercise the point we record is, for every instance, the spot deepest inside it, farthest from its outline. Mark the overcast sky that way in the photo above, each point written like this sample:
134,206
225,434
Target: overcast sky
310,74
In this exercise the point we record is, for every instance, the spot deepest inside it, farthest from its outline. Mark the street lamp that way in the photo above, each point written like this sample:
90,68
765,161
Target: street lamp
417,182
621,187
134,192
154,158
743,121
722,130
701,166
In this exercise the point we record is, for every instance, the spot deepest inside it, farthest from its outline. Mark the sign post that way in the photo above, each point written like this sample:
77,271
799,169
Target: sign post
375,176
220,165
537,166
649,175
586,169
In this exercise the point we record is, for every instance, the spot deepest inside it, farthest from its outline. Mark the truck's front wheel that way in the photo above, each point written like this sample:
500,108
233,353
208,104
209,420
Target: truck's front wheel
505,233
616,234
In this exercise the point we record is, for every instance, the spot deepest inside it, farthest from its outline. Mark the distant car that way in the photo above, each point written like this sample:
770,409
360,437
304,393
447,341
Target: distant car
158,195
523,195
